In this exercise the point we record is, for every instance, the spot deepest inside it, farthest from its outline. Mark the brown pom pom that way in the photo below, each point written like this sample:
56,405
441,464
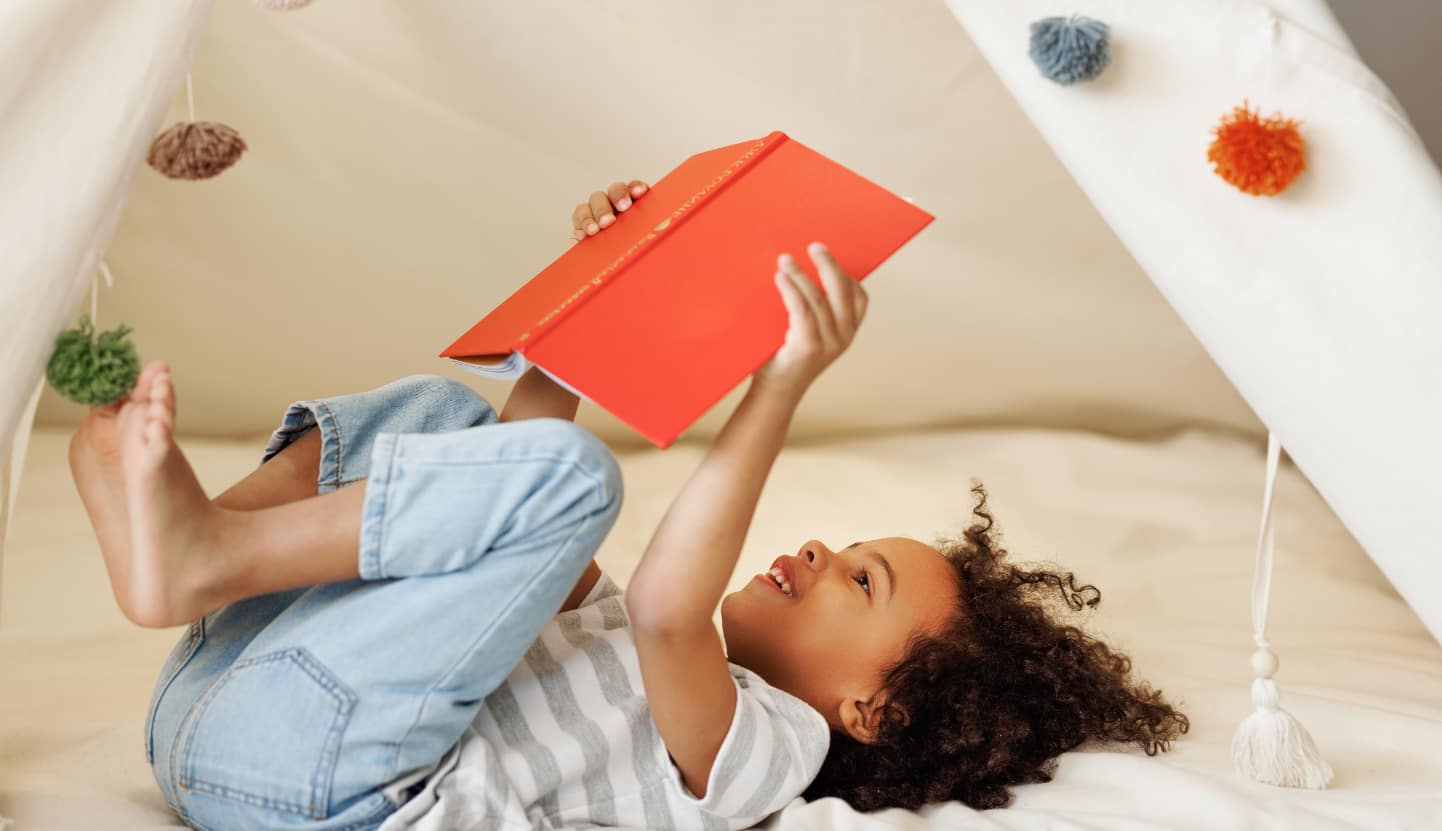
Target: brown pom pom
195,150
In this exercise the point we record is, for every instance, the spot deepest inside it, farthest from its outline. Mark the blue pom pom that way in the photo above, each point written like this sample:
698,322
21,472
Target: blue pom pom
1068,50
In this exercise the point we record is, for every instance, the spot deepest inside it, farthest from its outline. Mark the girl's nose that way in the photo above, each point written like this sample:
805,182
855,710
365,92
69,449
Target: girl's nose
815,554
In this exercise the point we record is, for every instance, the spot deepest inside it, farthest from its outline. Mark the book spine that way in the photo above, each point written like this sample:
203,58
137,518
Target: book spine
648,241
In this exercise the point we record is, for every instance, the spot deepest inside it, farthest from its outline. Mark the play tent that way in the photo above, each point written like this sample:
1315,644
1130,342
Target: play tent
405,156
1320,304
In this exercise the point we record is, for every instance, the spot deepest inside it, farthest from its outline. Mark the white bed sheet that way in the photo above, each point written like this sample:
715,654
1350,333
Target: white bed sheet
1166,529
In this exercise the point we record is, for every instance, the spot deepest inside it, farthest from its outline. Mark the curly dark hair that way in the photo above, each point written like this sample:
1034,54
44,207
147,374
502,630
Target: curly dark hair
992,699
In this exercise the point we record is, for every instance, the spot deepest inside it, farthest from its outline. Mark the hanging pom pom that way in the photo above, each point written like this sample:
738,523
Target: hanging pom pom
1271,746
90,370
1257,156
195,150
282,5
1070,50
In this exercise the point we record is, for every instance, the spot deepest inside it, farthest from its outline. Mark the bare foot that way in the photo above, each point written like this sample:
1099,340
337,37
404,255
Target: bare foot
169,574
95,464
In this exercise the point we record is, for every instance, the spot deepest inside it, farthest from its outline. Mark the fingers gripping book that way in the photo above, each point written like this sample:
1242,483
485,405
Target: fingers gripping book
659,317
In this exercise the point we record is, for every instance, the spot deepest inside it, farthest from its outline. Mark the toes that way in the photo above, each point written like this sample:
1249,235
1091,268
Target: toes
160,413
154,439
152,420
141,392
157,390
163,392
147,372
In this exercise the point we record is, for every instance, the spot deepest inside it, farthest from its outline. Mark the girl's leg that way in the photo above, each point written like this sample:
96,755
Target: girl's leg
291,708
213,557
298,463
189,556
343,429
290,476
469,542
327,441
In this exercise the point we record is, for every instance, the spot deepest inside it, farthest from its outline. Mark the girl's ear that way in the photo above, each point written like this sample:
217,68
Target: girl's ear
861,718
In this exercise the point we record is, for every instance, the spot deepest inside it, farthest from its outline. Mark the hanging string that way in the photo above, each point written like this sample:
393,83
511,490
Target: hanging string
95,291
190,96
1262,573
1270,745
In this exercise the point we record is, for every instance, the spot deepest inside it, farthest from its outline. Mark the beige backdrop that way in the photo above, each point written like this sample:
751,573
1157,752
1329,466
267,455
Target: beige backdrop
410,164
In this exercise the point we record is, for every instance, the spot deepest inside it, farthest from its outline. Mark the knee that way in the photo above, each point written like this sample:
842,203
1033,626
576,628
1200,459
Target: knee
418,384
445,403
592,463
440,386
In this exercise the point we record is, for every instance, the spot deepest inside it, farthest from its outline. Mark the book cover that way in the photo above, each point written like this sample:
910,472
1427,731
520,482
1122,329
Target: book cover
659,316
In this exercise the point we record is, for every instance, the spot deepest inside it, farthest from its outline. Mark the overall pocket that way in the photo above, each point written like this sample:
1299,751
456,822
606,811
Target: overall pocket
179,656
267,734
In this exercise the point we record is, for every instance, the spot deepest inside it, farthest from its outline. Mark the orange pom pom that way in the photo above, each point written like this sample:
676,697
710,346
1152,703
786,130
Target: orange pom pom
1260,156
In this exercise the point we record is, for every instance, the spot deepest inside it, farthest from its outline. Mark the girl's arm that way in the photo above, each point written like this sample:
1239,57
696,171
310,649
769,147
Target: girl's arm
684,571
535,395
682,575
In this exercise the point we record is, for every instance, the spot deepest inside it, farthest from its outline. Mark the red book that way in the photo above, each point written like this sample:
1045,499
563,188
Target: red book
659,316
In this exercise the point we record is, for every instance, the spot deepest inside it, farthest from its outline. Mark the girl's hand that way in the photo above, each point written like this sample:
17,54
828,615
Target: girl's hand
821,324
600,210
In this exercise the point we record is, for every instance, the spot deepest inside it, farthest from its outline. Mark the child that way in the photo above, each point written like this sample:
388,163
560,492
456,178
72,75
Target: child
435,648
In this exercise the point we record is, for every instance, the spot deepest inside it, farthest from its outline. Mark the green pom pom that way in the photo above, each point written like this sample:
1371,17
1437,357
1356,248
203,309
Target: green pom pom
90,370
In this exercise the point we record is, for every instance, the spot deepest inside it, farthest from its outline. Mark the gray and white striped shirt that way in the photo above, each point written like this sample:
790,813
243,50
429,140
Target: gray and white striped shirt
567,741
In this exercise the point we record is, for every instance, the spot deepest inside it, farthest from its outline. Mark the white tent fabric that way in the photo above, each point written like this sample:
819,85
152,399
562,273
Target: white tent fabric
410,161
1319,304
106,71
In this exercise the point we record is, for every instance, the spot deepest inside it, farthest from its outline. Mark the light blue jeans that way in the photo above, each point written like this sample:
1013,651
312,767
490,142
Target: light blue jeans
291,710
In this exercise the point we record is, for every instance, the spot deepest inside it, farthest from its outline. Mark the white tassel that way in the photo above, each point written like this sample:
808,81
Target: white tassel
1273,747
1270,745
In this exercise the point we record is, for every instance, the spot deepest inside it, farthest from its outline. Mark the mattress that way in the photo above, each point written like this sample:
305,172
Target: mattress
1165,528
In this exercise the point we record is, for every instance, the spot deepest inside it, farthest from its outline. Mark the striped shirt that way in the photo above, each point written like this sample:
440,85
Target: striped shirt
568,741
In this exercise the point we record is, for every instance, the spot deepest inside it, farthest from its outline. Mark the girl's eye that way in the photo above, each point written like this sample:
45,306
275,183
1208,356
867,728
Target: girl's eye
865,581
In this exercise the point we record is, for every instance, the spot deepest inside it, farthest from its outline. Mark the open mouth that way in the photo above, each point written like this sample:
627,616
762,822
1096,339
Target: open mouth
778,576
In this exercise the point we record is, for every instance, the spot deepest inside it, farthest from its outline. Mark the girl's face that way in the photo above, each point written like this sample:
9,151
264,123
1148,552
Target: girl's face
836,620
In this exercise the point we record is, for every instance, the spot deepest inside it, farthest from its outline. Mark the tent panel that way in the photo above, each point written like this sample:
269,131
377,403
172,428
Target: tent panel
1320,303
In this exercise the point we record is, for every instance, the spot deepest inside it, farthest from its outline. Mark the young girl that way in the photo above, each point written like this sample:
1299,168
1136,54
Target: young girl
395,621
